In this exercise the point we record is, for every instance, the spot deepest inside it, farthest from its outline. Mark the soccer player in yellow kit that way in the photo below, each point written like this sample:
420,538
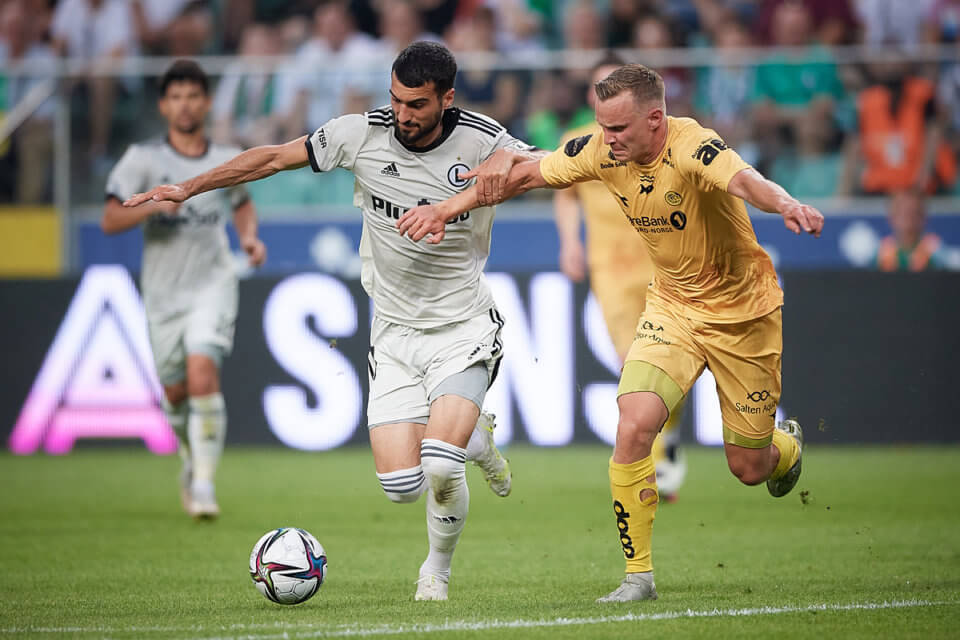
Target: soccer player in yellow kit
714,301
620,273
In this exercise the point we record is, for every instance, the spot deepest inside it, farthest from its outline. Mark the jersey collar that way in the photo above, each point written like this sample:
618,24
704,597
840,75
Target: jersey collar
206,149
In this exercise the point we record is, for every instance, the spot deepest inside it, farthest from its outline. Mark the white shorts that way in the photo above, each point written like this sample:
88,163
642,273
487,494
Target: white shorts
407,364
206,329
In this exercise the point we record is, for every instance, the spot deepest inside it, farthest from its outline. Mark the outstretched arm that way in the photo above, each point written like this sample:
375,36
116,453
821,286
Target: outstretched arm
431,219
250,165
768,196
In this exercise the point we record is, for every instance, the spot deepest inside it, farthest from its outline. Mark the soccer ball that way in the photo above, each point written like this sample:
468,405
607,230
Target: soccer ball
288,565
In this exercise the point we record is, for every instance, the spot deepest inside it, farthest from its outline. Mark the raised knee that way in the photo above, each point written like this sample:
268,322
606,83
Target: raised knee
443,465
202,385
403,486
748,472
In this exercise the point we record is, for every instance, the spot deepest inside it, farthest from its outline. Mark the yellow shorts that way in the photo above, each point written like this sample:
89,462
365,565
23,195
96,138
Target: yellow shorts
671,350
622,296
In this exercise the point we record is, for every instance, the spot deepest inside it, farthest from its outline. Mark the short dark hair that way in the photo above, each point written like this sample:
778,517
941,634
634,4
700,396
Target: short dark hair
643,82
184,71
423,62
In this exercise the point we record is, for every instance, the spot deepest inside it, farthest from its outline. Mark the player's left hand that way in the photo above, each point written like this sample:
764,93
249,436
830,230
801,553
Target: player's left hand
802,217
491,175
255,250
423,221
163,193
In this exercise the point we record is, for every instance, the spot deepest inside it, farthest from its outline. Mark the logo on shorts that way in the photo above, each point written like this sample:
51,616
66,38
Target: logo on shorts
649,326
477,349
673,198
757,397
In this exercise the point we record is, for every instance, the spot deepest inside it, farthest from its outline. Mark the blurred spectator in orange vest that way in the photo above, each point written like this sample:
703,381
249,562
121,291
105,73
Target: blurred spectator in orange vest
900,134
909,248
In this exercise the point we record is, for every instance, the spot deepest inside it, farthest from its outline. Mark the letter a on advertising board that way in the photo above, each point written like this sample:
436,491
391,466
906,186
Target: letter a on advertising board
98,378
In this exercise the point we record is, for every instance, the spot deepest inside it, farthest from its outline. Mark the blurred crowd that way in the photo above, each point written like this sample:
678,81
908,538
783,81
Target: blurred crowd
818,127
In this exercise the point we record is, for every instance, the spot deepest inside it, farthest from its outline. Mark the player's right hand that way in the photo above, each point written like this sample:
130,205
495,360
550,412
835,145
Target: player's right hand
491,175
163,193
422,221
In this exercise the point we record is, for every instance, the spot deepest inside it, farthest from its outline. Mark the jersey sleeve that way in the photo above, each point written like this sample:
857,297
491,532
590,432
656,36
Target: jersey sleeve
575,161
336,143
507,141
128,176
707,162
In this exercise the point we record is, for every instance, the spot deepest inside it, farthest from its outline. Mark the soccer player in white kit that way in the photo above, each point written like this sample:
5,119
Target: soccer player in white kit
188,278
435,340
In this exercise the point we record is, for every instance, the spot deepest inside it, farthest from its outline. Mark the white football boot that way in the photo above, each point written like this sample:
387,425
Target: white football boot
430,587
203,501
635,586
483,452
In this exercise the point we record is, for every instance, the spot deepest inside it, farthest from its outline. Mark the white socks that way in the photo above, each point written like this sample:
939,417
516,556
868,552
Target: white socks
448,501
206,431
404,485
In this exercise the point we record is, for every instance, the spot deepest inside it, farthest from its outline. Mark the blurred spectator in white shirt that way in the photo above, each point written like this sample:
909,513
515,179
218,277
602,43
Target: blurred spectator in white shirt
894,22
98,32
333,72
245,109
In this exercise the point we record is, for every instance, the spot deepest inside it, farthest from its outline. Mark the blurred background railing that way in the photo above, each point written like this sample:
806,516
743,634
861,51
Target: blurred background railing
843,102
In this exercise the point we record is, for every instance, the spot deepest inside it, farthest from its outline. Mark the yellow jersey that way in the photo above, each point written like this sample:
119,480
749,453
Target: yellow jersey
608,242
705,253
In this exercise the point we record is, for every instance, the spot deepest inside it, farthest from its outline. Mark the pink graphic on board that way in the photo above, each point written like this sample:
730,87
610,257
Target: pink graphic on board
98,378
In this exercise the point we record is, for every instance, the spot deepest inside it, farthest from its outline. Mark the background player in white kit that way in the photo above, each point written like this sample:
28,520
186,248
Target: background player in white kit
188,278
435,339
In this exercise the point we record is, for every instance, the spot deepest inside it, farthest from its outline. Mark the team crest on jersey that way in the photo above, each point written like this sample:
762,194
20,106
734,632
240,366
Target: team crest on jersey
673,198
576,145
454,173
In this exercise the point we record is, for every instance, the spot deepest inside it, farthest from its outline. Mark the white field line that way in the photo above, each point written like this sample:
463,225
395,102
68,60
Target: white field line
311,630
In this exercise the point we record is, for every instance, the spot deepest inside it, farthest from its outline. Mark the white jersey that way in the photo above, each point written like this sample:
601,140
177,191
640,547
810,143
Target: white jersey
187,255
414,283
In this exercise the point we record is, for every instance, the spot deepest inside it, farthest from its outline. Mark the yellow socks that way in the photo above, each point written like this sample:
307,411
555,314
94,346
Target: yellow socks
635,516
789,452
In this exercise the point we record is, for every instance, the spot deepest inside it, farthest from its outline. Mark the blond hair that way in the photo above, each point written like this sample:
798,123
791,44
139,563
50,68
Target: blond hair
644,83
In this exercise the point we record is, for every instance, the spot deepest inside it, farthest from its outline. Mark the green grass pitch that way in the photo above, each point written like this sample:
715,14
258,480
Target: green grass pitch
867,546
